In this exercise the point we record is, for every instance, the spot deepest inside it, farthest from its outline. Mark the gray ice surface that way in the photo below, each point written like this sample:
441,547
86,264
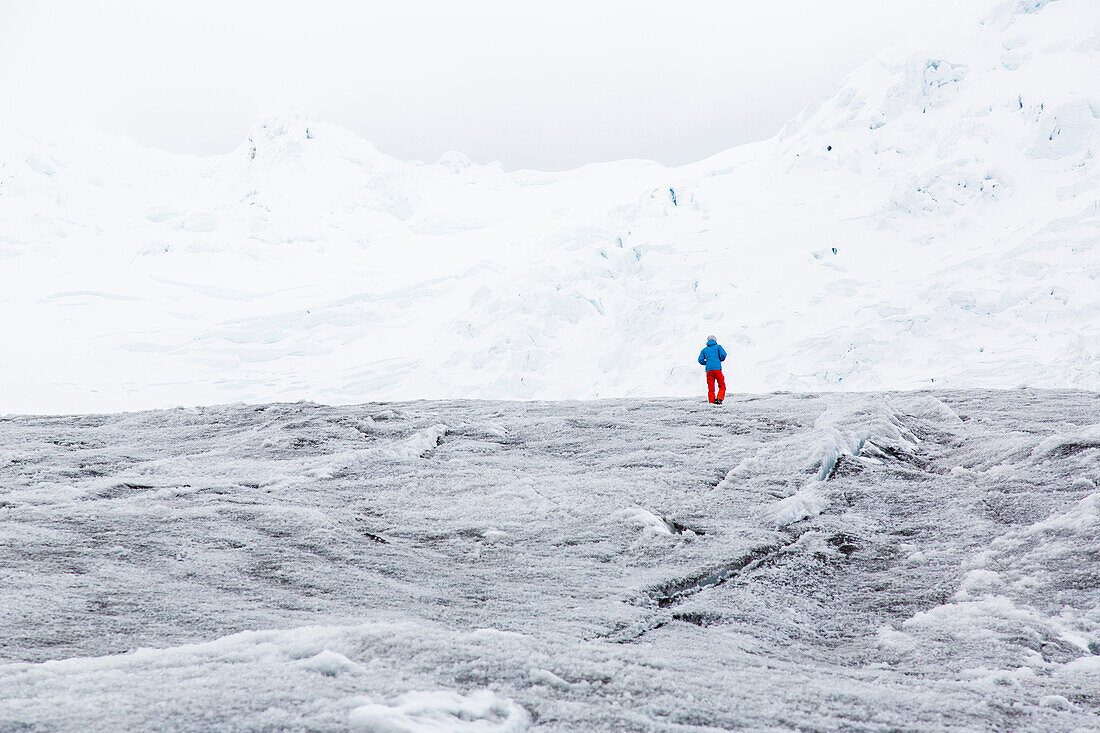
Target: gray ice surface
910,561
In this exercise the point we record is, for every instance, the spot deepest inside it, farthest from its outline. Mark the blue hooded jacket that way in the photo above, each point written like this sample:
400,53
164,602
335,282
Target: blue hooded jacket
712,356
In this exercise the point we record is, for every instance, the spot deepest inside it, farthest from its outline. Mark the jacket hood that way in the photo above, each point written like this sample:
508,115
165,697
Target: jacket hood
711,342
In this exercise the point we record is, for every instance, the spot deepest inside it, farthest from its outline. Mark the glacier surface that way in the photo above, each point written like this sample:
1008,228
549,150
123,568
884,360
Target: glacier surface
863,561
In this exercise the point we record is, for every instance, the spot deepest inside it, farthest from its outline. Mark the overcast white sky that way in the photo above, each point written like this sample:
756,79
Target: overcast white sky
548,85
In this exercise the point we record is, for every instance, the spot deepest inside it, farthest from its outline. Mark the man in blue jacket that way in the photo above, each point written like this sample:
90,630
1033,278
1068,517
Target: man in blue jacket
711,357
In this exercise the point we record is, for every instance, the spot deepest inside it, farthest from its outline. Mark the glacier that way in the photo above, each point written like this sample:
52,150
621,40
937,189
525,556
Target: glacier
555,565
933,223
307,437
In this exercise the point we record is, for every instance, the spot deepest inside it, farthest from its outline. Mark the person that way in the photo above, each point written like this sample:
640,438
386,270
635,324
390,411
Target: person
711,357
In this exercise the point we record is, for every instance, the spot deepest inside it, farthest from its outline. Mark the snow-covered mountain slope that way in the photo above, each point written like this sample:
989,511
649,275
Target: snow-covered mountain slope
935,222
556,566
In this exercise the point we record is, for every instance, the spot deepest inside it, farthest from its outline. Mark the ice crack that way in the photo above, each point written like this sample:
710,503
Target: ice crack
674,591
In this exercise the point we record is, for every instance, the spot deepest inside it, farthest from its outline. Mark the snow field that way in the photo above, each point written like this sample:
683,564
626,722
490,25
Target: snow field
555,566
931,224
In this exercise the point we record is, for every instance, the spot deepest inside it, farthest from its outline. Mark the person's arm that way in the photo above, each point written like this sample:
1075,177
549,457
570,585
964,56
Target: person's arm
721,353
703,357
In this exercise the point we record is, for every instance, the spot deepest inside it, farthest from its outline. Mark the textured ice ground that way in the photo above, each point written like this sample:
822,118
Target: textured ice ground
861,561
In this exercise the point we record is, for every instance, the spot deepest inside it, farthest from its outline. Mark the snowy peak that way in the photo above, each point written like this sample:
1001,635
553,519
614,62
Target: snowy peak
948,125
292,139
1022,78
312,171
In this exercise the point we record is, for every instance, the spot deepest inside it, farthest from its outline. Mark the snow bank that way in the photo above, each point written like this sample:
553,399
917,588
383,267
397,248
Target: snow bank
1027,599
1082,441
244,681
330,663
841,432
427,712
645,519
416,445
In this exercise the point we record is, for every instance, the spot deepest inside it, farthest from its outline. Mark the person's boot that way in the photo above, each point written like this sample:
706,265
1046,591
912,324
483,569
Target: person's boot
718,401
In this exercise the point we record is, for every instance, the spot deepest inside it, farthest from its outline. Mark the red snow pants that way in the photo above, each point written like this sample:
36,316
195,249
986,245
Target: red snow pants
715,375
